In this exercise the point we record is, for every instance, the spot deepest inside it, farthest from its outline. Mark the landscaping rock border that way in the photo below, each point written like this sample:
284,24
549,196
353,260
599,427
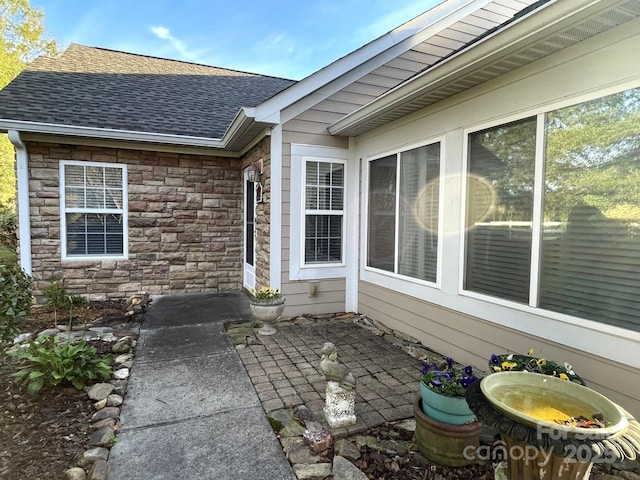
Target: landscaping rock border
108,397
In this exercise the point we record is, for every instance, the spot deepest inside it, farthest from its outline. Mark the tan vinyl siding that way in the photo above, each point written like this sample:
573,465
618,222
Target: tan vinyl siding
331,292
471,340
330,297
572,76
310,128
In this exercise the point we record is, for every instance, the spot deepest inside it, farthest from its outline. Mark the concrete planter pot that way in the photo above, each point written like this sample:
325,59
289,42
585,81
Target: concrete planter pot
444,443
267,310
445,409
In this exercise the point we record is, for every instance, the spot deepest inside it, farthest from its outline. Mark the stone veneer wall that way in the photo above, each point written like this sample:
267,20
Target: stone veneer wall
263,211
185,224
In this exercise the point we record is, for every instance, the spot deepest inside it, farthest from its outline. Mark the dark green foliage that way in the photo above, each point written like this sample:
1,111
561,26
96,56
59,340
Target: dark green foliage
57,298
75,301
15,301
8,226
50,361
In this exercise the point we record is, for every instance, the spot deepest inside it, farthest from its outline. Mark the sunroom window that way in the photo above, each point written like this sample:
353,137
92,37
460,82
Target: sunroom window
498,260
403,205
93,208
576,250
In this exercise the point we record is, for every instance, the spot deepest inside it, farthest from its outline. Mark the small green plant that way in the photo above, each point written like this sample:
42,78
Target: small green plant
72,301
56,298
48,360
15,301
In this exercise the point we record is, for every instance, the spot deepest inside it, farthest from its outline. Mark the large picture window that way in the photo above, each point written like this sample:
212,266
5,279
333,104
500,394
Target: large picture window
93,210
403,208
580,253
498,260
324,212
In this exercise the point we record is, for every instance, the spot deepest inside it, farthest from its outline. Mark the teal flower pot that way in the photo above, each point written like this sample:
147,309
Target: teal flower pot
445,409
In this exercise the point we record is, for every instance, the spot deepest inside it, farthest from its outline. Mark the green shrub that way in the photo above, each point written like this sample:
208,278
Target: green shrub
75,301
56,298
15,301
53,362
8,228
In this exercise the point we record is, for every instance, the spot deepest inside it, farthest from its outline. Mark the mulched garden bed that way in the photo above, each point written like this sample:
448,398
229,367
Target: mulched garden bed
411,465
41,437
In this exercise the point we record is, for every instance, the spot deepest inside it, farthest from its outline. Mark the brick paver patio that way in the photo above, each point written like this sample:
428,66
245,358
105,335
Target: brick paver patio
284,371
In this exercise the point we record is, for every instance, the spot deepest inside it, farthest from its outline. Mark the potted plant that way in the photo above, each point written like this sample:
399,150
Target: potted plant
528,363
445,425
266,305
443,389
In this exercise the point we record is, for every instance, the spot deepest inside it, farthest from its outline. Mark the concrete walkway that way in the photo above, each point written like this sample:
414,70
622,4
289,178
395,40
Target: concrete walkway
191,411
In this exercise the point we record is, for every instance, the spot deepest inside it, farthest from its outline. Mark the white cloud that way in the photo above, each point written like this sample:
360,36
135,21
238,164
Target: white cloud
165,34
162,32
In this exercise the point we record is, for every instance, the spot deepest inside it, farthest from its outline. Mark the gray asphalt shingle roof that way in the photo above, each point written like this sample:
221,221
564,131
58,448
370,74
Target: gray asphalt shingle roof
95,87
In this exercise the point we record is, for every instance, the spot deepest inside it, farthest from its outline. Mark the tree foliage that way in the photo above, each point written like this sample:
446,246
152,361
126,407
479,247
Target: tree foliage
591,157
22,39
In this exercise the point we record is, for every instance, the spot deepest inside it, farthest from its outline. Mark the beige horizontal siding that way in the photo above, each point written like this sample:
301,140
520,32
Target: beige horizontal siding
325,117
310,128
330,297
315,139
472,340
364,88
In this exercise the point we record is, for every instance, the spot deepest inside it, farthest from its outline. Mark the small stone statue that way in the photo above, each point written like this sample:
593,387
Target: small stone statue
333,370
340,402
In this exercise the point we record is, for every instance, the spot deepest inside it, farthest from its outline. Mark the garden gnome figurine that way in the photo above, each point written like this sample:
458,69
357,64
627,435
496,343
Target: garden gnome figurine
340,402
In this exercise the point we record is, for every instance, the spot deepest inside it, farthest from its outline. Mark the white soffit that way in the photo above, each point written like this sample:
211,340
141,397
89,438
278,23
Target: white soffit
542,32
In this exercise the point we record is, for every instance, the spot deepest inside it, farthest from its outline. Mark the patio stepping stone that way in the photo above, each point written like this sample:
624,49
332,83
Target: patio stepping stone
343,469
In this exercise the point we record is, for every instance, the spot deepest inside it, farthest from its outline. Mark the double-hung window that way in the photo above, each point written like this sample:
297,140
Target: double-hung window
403,213
93,210
562,230
324,212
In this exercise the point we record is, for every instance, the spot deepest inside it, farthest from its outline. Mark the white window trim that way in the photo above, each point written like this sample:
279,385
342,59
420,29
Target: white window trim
545,320
63,217
298,270
408,285
613,343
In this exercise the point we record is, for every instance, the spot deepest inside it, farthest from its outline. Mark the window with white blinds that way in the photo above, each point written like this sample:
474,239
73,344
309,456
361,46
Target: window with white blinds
587,233
324,212
403,213
93,210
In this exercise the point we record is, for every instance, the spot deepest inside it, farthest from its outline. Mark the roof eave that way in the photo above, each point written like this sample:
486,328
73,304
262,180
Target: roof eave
244,129
518,34
448,9
109,134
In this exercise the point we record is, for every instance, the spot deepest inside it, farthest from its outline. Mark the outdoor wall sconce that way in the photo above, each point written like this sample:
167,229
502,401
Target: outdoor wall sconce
254,172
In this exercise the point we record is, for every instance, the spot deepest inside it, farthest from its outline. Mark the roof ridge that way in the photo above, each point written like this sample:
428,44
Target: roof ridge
165,59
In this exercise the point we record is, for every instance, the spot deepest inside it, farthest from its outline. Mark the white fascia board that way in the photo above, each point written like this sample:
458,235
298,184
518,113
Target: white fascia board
239,122
371,55
244,120
513,36
109,133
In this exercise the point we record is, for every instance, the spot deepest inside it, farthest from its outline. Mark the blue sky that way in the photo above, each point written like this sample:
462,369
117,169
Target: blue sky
284,38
